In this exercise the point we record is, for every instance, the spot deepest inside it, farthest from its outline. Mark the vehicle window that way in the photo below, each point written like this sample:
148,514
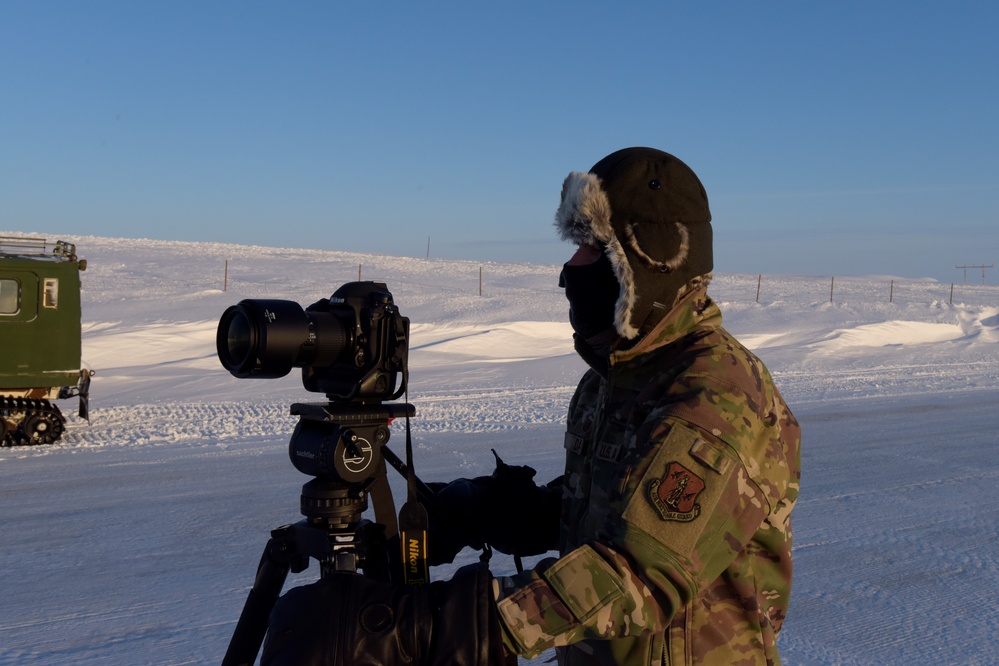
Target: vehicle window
50,292
9,296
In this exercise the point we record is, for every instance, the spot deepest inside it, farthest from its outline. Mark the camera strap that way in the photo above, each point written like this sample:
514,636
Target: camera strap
413,524
381,497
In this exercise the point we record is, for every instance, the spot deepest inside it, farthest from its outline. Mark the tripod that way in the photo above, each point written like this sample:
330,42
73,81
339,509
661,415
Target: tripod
343,448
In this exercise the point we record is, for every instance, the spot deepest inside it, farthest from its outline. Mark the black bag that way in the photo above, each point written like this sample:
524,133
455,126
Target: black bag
347,619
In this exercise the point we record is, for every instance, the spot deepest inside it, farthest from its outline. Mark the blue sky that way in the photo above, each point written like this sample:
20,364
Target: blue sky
833,138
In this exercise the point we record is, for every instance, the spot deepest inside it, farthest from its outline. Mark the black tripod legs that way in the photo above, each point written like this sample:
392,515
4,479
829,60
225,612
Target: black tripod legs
361,545
283,552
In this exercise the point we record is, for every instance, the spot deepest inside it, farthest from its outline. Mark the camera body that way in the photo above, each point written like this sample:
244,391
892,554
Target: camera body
352,346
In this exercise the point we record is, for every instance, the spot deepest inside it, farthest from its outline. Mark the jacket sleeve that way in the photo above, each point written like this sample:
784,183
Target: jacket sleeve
684,510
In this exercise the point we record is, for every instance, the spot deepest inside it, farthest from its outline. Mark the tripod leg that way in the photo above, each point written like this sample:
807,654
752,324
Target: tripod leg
271,574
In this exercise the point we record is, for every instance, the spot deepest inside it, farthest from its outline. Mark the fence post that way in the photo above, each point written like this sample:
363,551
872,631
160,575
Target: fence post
480,280
359,272
225,278
832,283
951,301
759,281
891,292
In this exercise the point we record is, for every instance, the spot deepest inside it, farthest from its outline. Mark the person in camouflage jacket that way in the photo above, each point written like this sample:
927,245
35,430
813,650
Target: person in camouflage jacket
673,517
682,458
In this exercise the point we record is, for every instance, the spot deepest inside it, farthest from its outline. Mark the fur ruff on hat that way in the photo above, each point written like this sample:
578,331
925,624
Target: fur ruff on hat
584,219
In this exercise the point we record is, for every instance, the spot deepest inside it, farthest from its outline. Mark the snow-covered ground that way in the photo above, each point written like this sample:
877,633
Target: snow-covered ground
135,539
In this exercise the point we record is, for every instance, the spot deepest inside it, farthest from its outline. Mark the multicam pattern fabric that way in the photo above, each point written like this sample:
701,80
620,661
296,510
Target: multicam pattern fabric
682,469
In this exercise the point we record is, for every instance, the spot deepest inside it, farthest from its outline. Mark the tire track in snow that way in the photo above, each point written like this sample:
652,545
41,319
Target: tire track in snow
490,410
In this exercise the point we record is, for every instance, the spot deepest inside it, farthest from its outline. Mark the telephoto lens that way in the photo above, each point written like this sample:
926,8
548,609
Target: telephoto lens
266,338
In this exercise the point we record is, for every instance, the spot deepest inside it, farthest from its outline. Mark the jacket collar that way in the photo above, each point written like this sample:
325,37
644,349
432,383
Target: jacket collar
695,310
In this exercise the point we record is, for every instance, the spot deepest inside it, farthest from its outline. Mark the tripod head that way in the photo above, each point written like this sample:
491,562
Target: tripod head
341,447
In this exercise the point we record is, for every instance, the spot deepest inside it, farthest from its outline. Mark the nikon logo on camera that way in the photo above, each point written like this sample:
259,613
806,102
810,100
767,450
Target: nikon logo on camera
415,553
414,556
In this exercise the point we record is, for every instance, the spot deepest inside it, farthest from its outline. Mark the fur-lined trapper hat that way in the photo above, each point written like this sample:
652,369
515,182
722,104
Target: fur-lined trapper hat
649,213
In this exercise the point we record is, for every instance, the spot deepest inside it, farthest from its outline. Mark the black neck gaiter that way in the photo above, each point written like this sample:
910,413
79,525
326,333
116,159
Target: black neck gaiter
592,290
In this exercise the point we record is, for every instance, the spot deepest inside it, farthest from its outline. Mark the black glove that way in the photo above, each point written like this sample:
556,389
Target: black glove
347,619
506,510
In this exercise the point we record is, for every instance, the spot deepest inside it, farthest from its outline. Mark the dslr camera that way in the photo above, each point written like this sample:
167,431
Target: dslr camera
352,346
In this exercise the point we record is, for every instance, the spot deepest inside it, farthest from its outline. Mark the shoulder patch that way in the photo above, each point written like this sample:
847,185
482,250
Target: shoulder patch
674,496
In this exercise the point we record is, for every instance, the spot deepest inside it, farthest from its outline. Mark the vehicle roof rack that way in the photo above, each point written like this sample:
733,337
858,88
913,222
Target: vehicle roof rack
24,245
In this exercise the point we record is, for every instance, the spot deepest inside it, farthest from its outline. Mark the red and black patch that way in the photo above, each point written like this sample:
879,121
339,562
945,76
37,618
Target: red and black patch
675,495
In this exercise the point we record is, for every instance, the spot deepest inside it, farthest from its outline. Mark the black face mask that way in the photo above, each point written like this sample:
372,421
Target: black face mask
592,290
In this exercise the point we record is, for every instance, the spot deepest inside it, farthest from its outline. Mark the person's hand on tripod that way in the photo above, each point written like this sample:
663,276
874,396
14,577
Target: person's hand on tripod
350,619
506,510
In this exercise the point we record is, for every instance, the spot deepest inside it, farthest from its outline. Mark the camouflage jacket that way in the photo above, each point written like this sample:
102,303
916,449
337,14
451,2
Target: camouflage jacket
682,468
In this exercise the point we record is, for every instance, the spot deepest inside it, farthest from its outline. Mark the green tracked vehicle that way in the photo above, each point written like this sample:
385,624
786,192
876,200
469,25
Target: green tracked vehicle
39,339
